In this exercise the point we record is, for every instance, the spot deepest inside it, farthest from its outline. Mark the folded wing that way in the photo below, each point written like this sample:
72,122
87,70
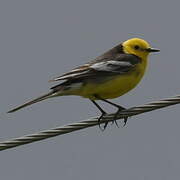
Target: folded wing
103,67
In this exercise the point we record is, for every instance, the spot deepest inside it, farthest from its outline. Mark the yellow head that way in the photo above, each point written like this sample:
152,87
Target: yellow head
138,47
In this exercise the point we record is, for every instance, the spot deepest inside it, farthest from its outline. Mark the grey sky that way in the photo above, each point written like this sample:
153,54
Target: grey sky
42,39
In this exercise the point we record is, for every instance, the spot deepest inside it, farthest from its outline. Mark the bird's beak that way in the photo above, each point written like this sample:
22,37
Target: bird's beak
152,50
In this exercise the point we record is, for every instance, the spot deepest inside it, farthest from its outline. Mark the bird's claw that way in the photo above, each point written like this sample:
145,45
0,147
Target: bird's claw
115,116
125,121
99,119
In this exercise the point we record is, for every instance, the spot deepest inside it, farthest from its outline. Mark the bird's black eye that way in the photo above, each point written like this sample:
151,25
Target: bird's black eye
136,47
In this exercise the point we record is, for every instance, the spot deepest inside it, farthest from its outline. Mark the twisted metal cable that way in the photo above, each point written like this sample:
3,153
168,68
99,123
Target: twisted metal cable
88,123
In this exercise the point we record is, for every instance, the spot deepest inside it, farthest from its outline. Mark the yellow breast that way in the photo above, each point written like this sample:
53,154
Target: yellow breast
115,87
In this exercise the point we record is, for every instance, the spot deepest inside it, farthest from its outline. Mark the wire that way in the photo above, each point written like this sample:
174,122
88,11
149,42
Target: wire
87,123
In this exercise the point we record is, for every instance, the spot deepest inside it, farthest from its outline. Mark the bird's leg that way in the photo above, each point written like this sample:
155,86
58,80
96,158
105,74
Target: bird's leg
103,113
120,108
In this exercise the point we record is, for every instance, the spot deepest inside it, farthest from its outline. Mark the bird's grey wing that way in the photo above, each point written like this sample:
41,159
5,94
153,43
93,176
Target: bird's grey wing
73,73
119,65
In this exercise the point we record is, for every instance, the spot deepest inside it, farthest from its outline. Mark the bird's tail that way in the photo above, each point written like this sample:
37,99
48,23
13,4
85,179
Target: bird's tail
41,98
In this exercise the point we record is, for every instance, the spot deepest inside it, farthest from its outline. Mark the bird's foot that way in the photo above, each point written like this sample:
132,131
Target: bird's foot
99,119
120,108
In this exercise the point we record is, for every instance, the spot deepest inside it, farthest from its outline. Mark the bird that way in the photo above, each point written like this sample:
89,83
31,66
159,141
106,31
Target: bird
110,75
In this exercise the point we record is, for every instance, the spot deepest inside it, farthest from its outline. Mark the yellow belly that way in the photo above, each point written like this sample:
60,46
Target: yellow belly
115,87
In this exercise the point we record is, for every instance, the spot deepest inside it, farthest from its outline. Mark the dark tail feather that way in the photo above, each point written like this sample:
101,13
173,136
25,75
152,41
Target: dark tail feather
41,98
